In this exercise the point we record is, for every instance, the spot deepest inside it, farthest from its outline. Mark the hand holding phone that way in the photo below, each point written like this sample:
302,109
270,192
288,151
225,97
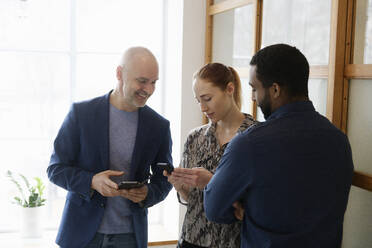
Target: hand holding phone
165,166
193,177
134,191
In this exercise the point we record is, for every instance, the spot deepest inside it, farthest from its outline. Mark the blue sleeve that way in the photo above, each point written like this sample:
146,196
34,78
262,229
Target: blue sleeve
159,187
63,169
229,183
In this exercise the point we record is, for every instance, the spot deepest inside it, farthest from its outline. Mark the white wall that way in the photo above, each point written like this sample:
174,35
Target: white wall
192,60
172,108
184,54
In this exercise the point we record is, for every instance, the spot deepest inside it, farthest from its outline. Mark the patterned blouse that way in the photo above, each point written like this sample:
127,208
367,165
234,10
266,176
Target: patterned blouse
203,150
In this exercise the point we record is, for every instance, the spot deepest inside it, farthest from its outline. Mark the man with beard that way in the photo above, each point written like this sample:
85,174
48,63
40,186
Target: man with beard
106,140
293,172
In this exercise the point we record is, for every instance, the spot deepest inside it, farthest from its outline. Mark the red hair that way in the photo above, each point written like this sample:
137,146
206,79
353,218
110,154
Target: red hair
220,75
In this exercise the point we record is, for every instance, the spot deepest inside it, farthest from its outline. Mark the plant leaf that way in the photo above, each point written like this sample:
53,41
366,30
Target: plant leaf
26,181
35,193
19,187
18,201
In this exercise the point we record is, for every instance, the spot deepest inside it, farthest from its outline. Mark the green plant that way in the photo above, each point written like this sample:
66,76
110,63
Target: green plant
34,196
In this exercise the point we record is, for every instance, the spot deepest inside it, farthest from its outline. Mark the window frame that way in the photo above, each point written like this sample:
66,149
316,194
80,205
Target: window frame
339,70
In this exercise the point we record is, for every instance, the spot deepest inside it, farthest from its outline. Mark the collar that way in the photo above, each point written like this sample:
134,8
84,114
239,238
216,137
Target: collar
302,106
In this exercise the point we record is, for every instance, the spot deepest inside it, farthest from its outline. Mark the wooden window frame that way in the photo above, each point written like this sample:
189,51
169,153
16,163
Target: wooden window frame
161,243
353,71
339,71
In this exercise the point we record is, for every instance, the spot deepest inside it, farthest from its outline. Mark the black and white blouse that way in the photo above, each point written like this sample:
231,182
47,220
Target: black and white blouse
203,150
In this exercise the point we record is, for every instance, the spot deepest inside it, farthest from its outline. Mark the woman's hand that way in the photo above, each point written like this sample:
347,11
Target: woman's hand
181,188
196,177
177,184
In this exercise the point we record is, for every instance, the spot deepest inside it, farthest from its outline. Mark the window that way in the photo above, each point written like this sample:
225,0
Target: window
233,45
53,53
357,225
306,25
363,32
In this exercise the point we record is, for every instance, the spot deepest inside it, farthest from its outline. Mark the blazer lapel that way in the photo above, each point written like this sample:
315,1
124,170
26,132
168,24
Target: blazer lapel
103,127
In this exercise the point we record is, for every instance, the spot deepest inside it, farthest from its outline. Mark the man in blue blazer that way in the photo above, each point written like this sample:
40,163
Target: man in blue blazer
103,141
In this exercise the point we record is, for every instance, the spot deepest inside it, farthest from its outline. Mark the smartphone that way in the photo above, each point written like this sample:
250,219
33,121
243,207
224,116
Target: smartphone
165,166
130,184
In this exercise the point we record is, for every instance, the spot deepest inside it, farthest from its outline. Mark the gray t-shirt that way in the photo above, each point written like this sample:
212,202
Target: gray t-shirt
122,136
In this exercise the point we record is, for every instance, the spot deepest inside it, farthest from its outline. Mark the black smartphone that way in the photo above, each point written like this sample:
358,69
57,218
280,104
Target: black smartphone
165,166
130,184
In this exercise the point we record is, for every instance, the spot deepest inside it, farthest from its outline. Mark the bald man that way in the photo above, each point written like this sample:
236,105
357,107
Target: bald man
102,142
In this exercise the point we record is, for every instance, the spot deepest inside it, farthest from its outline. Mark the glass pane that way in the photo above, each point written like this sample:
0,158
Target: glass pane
233,45
219,1
301,23
359,124
112,26
246,96
38,82
358,216
34,100
243,36
44,24
233,37
260,115
318,94
95,75
363,32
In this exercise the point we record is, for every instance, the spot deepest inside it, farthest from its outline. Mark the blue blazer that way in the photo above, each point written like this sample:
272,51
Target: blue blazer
81,150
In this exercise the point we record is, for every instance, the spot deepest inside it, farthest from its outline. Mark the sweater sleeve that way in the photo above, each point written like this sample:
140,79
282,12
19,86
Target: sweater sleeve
230,182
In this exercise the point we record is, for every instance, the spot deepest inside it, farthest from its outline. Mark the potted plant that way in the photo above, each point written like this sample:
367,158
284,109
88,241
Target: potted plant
30,199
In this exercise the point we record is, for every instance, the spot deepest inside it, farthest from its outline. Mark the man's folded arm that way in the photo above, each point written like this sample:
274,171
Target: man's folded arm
229,183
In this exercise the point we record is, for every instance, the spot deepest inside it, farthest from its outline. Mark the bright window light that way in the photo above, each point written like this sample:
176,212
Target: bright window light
53,53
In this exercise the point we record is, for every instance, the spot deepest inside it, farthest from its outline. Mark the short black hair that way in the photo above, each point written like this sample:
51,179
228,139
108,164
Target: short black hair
284,65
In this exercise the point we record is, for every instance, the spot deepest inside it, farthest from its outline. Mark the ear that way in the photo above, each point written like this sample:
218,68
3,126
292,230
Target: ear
119,73
275,90
230,88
